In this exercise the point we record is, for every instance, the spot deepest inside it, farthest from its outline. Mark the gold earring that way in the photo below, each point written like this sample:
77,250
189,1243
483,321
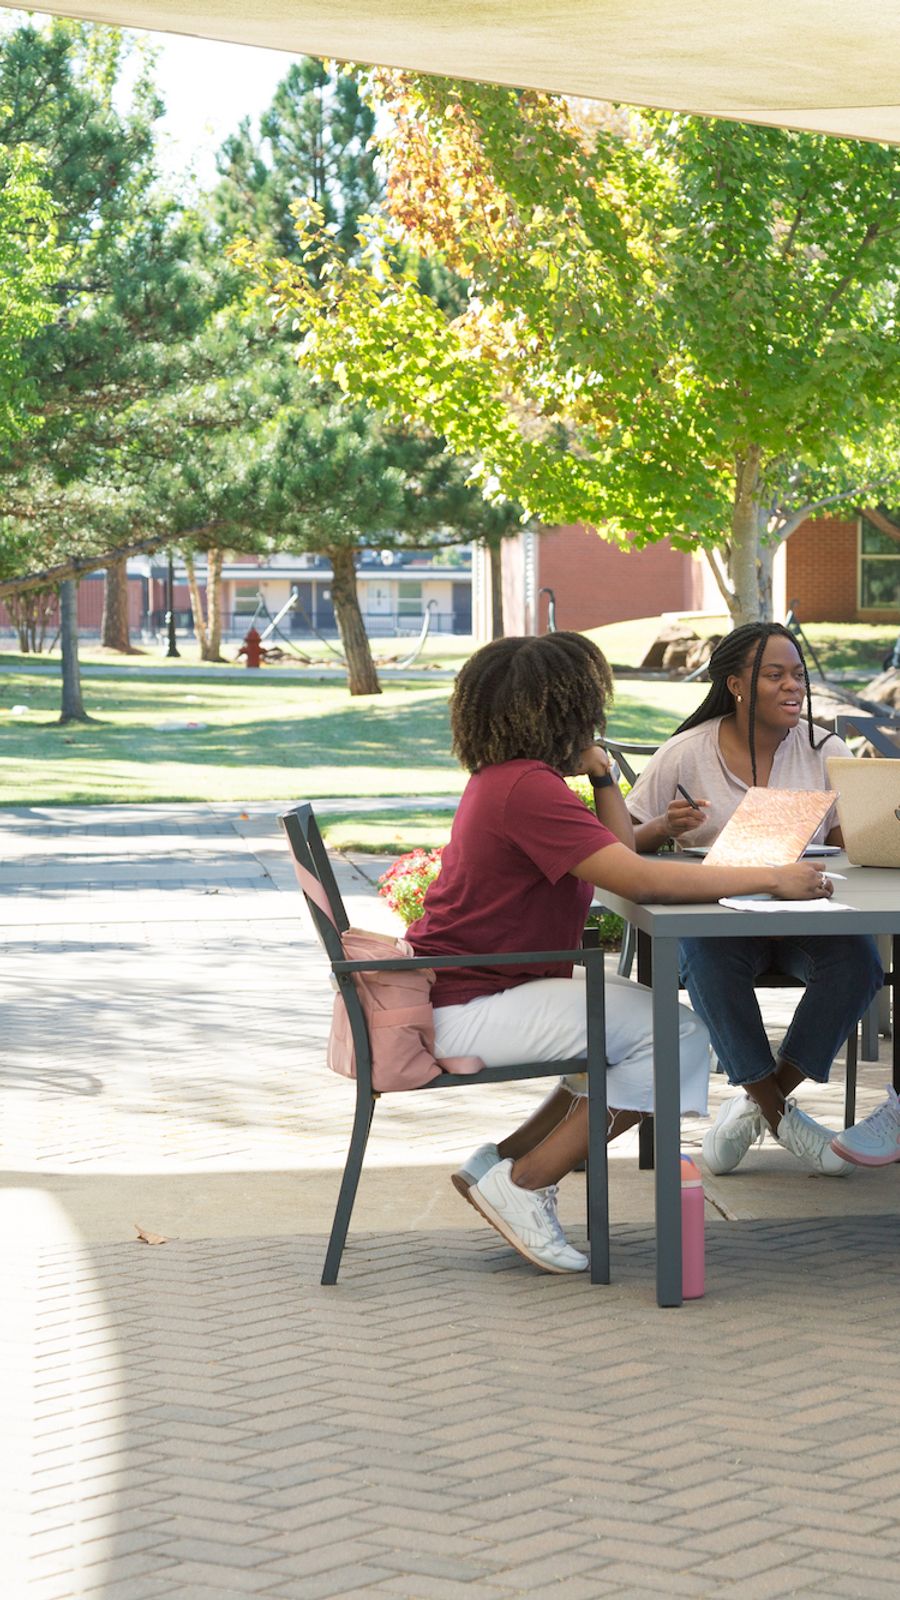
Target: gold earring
739,698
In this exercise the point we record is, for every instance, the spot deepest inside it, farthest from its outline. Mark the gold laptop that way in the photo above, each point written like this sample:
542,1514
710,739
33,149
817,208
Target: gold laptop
868,802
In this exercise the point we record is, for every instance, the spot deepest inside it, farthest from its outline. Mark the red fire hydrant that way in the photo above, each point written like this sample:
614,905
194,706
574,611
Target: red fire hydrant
253,649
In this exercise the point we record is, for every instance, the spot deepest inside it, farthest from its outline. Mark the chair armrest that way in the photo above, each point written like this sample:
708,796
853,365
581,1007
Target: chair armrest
507,958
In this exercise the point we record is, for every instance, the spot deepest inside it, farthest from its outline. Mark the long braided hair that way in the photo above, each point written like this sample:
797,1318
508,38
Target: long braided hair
730,657
541,699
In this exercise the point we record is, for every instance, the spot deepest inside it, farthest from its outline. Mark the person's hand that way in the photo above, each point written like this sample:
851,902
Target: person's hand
802,881
594,762
681,817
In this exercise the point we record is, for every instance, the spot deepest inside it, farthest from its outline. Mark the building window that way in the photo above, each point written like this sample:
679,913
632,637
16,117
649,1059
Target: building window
879,569
409,599
246,599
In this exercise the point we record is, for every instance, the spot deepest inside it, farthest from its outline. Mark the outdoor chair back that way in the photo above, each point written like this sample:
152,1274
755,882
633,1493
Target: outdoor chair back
882,733
320,890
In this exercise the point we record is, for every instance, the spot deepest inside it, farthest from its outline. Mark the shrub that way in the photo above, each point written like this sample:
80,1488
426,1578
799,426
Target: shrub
404,884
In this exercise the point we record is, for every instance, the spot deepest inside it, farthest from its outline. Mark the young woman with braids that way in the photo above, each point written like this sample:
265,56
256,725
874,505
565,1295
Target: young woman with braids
524,857
755,727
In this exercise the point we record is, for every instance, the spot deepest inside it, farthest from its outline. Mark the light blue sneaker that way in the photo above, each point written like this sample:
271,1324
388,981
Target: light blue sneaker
475,1167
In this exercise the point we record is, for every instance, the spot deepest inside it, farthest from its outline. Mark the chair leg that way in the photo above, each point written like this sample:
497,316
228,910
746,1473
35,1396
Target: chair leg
359,1138
598,1128
869,1043
850,1081
598,1188
646,1148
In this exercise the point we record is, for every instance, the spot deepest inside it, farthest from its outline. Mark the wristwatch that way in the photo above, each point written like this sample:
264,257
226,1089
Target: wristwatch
606,782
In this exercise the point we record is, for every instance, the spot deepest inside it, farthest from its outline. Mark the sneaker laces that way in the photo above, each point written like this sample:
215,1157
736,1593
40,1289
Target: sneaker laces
807,1137
889,1113
547,1200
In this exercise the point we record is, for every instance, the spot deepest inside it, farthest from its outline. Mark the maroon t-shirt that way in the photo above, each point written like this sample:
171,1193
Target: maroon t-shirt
505,881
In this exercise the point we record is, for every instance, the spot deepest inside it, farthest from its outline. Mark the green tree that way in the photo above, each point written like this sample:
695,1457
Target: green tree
30,260
315,144
675,326
334,480
321,478
129,290
129,295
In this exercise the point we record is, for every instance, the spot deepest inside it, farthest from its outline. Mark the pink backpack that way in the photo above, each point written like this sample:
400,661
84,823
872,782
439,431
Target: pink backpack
396,1005
398,1016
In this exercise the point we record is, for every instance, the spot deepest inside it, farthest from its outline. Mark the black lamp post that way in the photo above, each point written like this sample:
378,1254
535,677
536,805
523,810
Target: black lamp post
173,649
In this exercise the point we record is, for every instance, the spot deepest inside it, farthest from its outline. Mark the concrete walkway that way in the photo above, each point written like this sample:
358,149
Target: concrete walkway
200,1419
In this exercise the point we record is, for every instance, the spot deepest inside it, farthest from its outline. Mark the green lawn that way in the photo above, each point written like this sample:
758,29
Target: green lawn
269,739
262,740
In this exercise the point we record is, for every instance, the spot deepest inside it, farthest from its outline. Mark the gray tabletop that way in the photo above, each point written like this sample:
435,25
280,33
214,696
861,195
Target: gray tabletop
873,892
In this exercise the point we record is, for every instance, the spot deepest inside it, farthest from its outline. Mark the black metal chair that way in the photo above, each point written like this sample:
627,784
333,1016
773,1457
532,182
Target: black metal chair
866,725
330,920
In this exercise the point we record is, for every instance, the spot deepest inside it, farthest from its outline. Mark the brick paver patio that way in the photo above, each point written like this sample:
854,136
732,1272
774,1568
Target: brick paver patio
201,1420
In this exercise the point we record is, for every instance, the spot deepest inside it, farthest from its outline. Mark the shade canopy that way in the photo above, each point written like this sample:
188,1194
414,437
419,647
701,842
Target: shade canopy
827,65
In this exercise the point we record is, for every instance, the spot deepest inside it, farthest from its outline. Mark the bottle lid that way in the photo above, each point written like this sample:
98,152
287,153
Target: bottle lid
690,1173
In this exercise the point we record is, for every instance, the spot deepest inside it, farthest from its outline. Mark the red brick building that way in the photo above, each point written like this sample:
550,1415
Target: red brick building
844,571
831,570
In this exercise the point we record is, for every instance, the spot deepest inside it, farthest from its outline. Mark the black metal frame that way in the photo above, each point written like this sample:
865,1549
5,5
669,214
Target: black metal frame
309,852
870,727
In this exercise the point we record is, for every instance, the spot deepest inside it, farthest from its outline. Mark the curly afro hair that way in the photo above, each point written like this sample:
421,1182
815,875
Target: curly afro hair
536,699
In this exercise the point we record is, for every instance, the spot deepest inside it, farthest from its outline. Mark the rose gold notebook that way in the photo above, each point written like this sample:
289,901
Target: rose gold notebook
770,828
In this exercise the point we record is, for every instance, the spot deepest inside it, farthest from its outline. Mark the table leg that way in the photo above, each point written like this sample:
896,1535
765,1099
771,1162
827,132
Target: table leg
667,1114
895,1010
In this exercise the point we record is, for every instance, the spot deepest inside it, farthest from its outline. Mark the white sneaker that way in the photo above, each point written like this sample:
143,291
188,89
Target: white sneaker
526,1218
738,1126
874,1142
809,1142
475,1166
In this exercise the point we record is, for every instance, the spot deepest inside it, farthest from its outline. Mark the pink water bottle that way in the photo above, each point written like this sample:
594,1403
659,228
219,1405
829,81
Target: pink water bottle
692,1246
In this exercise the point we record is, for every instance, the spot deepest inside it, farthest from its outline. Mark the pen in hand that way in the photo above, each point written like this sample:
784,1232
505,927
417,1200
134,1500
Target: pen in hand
683,791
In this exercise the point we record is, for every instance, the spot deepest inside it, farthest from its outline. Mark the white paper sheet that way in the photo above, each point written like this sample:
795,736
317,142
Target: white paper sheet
752,902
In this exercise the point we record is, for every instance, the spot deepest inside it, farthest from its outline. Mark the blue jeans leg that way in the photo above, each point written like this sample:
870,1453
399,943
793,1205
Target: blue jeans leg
841,975
719,975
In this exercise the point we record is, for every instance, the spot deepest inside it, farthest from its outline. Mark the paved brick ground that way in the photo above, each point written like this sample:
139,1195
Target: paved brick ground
202,1420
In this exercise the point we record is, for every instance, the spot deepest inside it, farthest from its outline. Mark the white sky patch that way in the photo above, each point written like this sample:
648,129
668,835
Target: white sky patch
208,88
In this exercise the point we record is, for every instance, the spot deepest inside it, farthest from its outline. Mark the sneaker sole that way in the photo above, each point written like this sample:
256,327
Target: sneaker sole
486,1210
862,1161
462,1183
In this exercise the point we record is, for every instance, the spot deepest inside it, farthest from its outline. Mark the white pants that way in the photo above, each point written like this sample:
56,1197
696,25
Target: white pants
546,1020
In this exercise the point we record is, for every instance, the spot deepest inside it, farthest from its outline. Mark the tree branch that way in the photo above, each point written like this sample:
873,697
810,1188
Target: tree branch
79,565
719,573
791,523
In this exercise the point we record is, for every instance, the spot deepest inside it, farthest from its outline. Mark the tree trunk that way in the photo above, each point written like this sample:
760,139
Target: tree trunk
495,552
200,627
20,608
114,627
30,614
361,675
72,704
744,563
214,558
765,576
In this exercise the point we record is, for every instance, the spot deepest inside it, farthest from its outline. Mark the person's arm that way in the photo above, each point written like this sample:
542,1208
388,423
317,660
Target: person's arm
644,879
678,818
608,801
